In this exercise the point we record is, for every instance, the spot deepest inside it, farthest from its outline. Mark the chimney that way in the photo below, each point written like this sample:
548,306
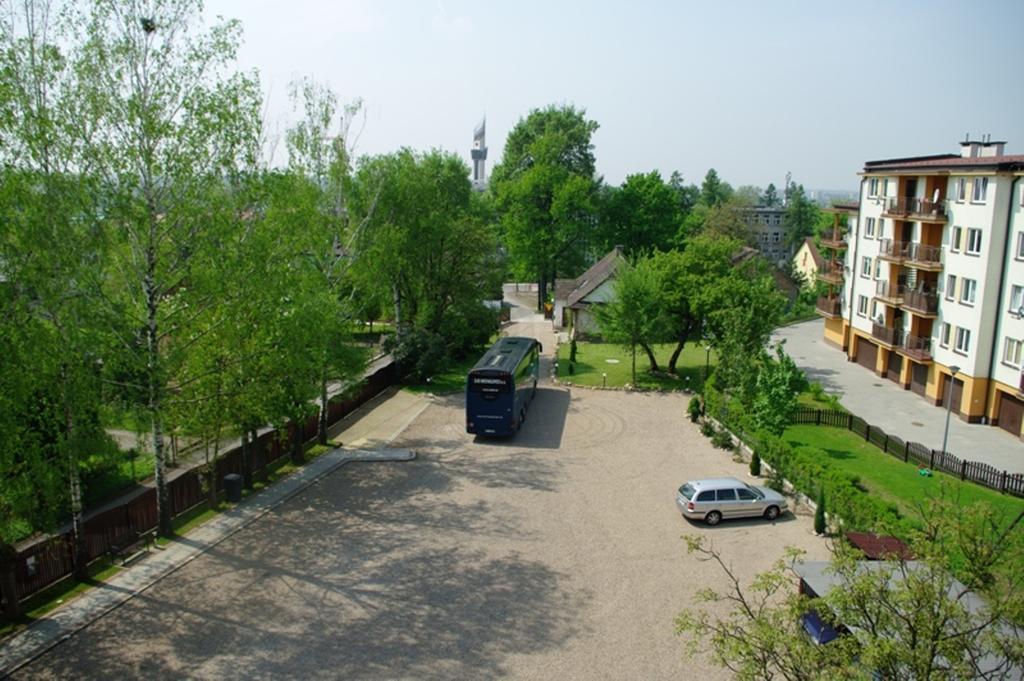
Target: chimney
970,149
990,149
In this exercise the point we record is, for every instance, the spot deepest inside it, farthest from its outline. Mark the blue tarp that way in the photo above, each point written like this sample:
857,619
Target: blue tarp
819,631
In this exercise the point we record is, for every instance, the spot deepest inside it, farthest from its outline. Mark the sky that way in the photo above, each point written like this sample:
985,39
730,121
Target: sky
752,89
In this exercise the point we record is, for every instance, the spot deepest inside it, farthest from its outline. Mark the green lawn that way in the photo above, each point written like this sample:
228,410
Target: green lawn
592,360
451,380
890,478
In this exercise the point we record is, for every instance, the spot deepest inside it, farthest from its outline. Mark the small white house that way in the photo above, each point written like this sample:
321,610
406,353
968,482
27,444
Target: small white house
575,300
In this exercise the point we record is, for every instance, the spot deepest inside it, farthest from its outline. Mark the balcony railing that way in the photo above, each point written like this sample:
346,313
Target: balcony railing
921,302
890,292
893,250
917,348
924,256
832,272
829,307
836,241
885,334
910,206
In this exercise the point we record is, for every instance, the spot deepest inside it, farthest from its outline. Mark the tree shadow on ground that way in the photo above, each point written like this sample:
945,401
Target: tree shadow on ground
369,573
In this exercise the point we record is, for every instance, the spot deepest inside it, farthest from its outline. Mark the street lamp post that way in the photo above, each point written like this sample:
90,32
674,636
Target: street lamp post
953,370
707,361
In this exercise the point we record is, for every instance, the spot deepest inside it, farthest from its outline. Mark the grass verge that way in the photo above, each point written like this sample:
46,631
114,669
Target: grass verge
610,365
891,479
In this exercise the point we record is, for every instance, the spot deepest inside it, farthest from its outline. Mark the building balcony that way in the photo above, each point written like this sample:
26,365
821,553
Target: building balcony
835,241
920,303
916,348
886,334
893,251
889,293
829,307
920,210
832,273
924,257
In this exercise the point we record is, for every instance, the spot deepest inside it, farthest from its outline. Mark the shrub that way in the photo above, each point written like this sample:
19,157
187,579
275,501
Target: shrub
819,513
572,368
572,351
694,409
755,464
722,440
817,392
707,429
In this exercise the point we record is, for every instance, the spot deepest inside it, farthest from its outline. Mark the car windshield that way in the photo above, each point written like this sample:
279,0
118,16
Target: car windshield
687,491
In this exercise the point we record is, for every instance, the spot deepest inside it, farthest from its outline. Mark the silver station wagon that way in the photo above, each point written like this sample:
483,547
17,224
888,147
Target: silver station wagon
717,498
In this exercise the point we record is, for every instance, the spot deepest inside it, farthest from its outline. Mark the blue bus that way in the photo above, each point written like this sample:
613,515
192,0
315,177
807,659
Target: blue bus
500,386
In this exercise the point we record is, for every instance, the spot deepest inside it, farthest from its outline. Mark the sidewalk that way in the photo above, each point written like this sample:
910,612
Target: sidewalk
899,412
376,423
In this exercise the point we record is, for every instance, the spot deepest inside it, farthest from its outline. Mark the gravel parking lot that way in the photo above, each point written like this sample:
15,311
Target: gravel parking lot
556,554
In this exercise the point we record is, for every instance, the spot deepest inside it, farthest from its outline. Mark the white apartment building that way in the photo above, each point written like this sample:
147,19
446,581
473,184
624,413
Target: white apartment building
933,280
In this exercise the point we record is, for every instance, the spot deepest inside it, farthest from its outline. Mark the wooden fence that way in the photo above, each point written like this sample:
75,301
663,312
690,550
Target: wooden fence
933,459
46,561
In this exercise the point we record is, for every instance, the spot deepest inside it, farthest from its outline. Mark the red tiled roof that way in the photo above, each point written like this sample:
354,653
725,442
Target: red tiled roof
1014,162
879,548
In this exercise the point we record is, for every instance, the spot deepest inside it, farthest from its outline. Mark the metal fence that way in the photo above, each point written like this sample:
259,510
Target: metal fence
48,560
933,459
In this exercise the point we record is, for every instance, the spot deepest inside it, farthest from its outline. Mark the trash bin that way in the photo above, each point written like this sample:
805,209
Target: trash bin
233,487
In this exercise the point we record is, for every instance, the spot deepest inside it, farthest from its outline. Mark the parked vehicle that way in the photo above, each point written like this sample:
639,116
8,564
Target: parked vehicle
717,498
501,386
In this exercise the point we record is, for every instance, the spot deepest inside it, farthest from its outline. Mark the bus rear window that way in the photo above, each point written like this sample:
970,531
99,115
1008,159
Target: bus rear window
488,384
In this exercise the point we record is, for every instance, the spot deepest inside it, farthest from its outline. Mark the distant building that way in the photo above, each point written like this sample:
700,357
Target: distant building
479,155
933,280
769,233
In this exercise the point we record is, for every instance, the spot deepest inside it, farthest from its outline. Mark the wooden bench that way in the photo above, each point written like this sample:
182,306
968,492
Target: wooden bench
132,548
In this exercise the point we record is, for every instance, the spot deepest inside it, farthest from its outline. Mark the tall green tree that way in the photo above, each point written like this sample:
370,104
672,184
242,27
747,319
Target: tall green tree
641,215
714,190
777,385
545,189
634,317
771,196
177,124
802,216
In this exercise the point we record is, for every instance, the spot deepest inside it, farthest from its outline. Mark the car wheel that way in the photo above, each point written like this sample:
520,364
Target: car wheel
771,513
713,518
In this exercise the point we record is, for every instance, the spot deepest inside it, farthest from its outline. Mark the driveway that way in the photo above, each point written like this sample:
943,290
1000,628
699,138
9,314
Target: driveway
899,412
556,554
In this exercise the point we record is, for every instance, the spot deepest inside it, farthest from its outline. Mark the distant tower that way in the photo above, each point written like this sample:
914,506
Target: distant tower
479,154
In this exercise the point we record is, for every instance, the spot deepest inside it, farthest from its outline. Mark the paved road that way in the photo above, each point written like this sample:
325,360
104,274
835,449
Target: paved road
899,412
555,554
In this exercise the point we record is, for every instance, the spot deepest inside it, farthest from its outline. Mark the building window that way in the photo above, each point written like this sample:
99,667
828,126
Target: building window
885,187
865,266
874,309
944,335
869,228
878,269
1011,352
1020,245
873,186
963,340
881,228
960,189
980,189
968,288
775,237
862,306
950,287
954,239
973,240
1017,300
777,220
